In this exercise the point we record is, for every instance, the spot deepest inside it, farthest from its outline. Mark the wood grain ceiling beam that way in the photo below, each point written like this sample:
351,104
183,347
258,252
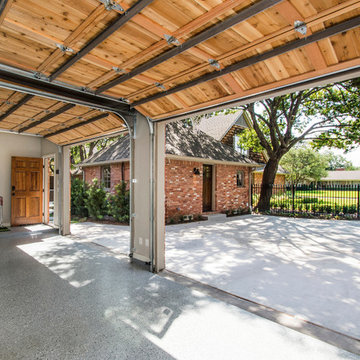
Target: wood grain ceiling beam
195,40
75,126
117,24
328,32
23,101
47,117
279,35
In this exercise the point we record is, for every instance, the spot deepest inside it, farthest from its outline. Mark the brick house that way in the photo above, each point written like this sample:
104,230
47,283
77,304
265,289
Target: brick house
226,128
201,174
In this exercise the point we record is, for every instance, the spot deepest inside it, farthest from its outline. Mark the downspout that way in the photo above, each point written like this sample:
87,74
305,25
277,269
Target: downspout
152,192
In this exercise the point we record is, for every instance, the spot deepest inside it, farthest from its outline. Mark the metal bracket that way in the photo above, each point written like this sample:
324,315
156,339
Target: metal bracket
64,48
112,5
118,70
40,76
124,100
87,90
171,40
160,86
214,63
300,27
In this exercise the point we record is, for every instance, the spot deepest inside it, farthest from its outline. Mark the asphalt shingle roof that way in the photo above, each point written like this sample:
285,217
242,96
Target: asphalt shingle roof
218,126
181,140
342,175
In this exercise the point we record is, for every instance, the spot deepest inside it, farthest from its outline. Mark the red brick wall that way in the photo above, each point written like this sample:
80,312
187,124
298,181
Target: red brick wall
92,172
116,173
227,194
183,189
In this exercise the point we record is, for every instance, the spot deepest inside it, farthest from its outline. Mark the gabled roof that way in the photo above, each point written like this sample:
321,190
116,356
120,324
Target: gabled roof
342,175
117,151
182,141
219,125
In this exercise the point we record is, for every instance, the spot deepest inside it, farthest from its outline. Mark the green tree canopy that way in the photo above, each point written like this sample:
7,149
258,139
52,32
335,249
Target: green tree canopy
338,162
304,165
327,115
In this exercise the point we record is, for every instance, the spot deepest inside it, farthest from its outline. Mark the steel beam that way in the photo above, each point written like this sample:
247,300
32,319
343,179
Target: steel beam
330,31
3,4
195,40
72,127
47,117
23,101
338,76
119,22
14,79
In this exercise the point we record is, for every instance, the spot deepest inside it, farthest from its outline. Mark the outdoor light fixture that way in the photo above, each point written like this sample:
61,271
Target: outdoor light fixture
300,27
196,171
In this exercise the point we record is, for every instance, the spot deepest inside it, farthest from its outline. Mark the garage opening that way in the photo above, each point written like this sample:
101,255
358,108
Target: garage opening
100,192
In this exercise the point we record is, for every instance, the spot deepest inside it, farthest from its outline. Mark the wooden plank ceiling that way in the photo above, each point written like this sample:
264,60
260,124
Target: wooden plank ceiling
165,57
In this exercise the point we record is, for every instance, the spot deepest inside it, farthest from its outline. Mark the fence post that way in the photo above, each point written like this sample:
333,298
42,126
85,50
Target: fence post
293,197
251,196
358,201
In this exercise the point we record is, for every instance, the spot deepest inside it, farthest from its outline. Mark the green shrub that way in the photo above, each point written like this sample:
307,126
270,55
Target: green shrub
119,203
96,202
78,198
352,209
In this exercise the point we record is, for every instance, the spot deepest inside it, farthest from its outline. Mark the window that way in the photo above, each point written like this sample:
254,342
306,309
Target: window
240,178
106,176
238,147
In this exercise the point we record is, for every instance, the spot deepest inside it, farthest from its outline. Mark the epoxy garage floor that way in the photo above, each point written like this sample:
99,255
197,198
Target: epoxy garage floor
307,268
62,299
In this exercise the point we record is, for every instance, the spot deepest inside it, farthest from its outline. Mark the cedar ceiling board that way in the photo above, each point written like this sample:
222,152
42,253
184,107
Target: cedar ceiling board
297,62
15,47
35,19
62,17
260,89
304,7
166,15
81,73
130,36
346,45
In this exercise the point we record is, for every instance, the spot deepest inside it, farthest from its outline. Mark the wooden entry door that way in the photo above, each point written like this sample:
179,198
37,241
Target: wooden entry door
207,187
26,190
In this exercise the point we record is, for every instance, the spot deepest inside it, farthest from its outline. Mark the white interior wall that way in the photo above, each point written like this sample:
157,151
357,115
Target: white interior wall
14,145
17,145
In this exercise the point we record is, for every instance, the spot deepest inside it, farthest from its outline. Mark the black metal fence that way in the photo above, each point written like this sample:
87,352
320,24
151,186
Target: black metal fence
313,200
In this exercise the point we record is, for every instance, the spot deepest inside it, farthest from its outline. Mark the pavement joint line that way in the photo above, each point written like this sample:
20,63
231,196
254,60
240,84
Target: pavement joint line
293,322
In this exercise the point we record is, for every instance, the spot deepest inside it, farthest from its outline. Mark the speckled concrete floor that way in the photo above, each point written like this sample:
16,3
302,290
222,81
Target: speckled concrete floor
60,299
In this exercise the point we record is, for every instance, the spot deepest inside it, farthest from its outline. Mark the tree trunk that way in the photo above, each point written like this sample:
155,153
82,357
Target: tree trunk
267,184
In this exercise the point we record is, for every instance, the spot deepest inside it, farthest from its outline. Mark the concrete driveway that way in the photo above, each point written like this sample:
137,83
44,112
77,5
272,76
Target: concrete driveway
307,268
65,299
